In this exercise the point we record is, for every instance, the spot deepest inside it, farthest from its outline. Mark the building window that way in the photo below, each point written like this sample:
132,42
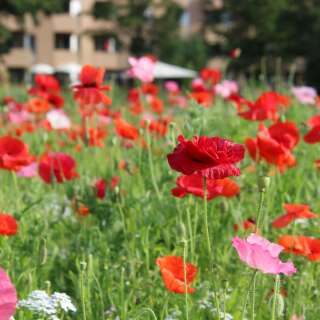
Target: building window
17,75
62,41
17,39
105,43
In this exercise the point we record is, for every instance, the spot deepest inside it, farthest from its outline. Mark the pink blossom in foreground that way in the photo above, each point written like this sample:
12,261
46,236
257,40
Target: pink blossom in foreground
172,87
18,117
306,95
8,296
28,171
142,68
261,254
226,88
58,120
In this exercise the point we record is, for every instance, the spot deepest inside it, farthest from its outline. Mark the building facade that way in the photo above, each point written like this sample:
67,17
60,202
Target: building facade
62,43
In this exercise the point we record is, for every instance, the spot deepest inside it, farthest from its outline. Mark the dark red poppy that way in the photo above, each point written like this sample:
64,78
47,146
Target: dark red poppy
125,130
301,245
14,154
193,184
100,188
8,225
149,88
134,95
235,53
57,167
293,212
265,107
90,91
177,275
213,158
313,136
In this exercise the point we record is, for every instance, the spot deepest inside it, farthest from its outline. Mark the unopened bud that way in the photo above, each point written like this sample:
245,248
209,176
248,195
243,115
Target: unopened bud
263,183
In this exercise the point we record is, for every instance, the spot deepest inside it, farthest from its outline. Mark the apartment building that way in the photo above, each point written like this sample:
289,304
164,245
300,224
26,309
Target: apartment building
62,43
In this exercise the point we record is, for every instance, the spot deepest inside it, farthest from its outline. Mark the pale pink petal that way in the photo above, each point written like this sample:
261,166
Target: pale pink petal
8,296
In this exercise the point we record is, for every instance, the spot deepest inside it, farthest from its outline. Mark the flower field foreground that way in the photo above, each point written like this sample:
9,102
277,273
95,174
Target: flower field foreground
159,202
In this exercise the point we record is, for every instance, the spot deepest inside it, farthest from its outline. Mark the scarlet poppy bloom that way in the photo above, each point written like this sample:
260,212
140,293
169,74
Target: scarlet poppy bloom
293,212
213,158
90,91
8,225
134,95
205,98
125,129
313,136
193,184
100,187
156,104
14,154
301,245
47,87
83,211
149,88
265,107
274,144
212,75
57,167
176,275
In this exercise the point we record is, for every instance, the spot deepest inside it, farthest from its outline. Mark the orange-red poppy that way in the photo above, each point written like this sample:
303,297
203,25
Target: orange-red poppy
177,275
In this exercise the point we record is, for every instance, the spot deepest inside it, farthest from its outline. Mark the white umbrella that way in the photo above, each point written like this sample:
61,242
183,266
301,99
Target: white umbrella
42,68
169,71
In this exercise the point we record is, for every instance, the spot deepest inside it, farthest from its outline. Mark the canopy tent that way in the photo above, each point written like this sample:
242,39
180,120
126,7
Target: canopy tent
42,68
169,71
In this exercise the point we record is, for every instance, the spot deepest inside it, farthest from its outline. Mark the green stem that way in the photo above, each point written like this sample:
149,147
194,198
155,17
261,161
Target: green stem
247,295
253,294
205,208
185,277
275,297
260,210
82,290
153,178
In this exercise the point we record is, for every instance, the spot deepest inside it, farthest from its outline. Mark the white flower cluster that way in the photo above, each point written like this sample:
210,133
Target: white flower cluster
40,302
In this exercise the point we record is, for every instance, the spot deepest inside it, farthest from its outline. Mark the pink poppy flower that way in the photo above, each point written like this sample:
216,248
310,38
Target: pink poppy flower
18,117
261,254
306,95
58,119
8,296
142,68
172,87
28,171
226,88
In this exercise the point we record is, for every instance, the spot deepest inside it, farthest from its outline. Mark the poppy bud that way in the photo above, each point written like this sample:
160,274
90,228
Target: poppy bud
263,183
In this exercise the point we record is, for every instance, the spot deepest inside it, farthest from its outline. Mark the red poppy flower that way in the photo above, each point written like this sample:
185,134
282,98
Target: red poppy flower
8,225
100,187
156,104
90,91
125,129
47,87
83,211
176,275
313,136
57,167
293,212
274,144
134,95
193,184
301,245
213,158
205,98
265,107
149,88
314,121
114,182
212,75
235,53
14,154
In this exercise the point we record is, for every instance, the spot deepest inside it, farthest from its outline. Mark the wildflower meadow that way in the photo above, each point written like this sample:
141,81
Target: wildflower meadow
160,201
